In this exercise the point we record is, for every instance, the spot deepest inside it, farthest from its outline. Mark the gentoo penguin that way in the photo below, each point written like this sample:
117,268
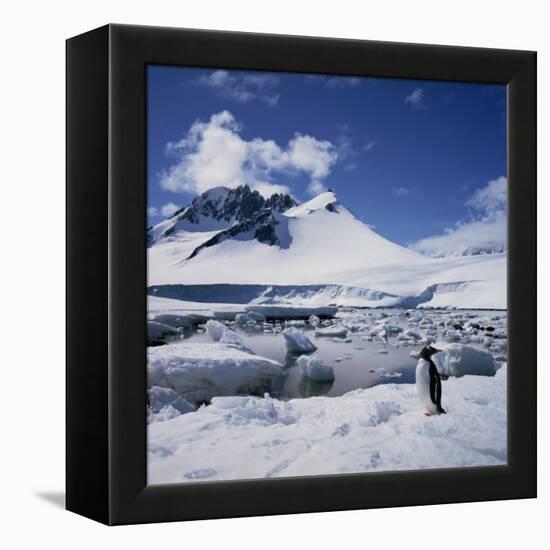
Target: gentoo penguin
428,382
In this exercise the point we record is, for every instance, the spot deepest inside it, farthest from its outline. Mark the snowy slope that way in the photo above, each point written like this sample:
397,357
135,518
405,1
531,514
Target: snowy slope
321,243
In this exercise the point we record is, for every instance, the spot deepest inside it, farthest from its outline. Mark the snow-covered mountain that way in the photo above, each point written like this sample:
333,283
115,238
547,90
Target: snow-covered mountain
238,237
219,209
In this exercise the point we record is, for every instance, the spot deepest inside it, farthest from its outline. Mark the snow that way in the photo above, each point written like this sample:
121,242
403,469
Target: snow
315,368
382,428
459,360
319,202
199,371
297,342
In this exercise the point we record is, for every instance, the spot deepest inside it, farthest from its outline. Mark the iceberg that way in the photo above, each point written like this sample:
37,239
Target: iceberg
297,342
316,369
220,333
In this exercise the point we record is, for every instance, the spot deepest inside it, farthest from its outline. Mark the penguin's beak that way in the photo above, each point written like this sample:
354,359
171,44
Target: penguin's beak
437,350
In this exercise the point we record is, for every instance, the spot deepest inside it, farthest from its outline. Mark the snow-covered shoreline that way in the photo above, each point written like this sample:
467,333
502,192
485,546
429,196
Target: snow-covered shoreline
377,429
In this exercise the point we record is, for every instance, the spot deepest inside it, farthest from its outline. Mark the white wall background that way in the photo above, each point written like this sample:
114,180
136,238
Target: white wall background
32,130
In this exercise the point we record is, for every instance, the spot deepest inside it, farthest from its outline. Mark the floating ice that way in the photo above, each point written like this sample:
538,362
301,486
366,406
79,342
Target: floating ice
257,316
332,331
220,333
243,319
297,342
316,369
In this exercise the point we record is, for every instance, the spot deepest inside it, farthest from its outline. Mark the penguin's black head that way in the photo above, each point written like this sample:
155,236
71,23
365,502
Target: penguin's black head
428,351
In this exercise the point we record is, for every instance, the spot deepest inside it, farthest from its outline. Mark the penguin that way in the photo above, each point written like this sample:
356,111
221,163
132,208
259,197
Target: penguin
428,382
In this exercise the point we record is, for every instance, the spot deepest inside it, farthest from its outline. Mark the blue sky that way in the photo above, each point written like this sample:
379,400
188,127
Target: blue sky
417,160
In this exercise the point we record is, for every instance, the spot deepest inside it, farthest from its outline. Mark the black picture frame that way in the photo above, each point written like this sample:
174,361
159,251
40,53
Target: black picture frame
106,274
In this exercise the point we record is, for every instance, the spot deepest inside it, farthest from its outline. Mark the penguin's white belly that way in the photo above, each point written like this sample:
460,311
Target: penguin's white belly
423,385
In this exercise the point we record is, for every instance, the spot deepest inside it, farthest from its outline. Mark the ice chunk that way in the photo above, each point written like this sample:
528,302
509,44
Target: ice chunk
165,404
257,316
199,371
168,412
220,333
159,332
452,336
158,398
215,330
243,319
297,342
332,331
459,360
316,369
314,321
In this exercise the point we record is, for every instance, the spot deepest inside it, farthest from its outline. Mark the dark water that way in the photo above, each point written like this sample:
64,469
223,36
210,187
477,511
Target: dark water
352,363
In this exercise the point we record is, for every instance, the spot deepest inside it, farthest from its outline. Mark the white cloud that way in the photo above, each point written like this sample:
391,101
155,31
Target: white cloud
416,99
369,146
401,191
169,209
334,82
242,88
214,154
486,229
491,199
152,212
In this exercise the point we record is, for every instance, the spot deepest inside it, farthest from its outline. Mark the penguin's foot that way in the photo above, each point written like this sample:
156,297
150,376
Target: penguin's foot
427,413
